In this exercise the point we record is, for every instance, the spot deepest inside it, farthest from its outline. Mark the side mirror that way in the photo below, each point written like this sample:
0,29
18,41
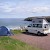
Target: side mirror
29,26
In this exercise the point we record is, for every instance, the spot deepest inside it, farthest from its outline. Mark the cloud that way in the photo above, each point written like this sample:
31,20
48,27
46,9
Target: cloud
41,9
22,7
27,9
6,7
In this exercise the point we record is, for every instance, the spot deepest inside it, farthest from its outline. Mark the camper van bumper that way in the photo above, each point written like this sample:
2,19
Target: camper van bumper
45,32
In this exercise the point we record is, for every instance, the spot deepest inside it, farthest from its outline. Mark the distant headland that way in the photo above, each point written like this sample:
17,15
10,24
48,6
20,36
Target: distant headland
31,18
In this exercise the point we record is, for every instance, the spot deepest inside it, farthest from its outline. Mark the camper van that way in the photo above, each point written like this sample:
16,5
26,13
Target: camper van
38,26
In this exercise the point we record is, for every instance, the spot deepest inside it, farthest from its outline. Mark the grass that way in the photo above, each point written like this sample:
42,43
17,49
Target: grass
7,43
17,31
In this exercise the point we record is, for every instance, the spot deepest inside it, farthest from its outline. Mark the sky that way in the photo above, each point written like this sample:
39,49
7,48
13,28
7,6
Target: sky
24,8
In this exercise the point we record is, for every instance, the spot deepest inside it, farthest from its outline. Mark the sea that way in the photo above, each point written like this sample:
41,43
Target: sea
13,22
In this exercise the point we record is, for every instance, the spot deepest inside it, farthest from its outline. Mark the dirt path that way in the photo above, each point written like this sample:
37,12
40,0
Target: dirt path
42,42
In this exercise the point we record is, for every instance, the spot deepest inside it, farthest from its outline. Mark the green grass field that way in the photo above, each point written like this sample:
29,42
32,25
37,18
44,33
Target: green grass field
6,43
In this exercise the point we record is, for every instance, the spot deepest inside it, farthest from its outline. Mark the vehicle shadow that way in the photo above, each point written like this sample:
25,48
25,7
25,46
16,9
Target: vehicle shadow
33,34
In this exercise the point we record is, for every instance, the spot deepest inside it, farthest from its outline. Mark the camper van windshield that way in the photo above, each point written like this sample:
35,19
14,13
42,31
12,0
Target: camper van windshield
30,25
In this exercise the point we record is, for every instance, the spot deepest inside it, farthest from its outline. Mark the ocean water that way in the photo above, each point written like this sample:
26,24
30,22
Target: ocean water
13,22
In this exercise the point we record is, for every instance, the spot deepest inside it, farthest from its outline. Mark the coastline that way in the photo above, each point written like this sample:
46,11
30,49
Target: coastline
16,27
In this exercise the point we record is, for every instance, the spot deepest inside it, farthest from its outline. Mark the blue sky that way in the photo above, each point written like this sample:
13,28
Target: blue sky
24,8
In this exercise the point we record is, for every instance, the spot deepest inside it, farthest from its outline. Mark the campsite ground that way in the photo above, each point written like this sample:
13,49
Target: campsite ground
24,41
9,43
42,42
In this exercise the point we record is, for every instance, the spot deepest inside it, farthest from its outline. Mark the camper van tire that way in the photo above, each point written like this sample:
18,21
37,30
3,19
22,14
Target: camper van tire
39,33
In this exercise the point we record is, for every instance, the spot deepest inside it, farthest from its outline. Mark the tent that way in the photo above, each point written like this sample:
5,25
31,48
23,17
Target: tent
4,31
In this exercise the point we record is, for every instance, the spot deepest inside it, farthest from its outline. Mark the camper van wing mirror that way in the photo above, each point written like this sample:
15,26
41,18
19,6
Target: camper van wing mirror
29,26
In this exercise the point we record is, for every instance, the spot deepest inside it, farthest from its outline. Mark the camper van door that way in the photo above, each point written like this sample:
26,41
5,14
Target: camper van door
30,29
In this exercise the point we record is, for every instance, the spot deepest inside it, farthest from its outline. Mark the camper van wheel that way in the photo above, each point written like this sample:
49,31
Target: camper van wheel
38,33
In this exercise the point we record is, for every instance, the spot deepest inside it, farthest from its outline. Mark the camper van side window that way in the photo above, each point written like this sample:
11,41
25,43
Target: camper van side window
39,25
33,25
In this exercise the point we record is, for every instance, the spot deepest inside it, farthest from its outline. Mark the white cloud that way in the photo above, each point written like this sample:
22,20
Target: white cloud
41,9
32,9
10,7
6,7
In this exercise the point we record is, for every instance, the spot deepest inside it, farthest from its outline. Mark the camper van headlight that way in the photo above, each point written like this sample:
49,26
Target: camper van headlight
45,29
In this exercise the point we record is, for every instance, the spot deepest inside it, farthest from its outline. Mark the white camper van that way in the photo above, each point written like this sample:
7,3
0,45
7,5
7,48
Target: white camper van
38,26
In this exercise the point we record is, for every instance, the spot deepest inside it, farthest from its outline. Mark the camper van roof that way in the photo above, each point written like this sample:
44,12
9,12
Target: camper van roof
39,20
